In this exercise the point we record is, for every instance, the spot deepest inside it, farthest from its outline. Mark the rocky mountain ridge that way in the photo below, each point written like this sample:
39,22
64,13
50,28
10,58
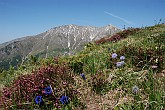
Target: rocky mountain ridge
61,40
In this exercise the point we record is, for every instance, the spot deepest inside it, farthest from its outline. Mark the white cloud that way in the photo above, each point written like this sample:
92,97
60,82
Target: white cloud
124,20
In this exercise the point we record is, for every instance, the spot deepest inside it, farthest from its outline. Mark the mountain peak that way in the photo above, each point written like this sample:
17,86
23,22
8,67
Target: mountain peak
56,41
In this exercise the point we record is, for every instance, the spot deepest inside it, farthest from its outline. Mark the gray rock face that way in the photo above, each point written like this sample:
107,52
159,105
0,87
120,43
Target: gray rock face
56,41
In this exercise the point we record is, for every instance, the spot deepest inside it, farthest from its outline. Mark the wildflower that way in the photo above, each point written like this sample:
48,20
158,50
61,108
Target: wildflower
64,100
38,100
119,64
83,76
48,90
122,58
114,55
135,89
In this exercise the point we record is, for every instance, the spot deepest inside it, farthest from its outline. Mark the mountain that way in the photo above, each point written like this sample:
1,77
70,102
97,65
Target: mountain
61,40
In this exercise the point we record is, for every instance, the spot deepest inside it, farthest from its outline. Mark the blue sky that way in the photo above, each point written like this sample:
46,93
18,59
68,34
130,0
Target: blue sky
20,18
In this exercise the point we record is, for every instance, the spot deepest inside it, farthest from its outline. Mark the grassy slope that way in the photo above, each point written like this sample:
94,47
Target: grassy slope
107,87
147,42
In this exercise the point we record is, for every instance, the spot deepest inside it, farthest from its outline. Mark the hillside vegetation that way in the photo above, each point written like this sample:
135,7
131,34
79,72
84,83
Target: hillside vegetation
125,71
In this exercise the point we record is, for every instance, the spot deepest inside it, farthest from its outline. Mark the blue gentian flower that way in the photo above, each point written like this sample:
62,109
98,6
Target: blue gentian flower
64,100
48,90
122,58
83,76
38,100
114,55
135,89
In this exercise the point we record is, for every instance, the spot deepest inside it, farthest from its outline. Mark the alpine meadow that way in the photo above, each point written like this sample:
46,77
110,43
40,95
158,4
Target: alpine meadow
122,71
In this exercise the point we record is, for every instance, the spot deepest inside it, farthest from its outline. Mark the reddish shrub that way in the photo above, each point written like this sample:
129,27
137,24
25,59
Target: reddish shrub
26,87
117,36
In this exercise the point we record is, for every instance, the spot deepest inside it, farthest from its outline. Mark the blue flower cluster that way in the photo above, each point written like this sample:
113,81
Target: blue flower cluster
38,100
64,100
48,90
120,63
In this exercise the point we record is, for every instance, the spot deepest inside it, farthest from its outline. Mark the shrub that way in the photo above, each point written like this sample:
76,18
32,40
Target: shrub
49,83
118,36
